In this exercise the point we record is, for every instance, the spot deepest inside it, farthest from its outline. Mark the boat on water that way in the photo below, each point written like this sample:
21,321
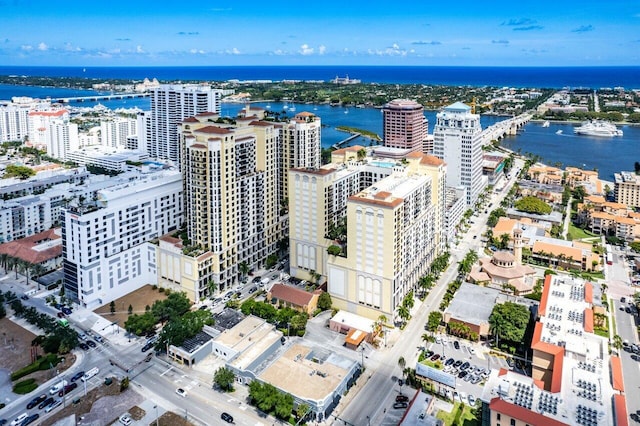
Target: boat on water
559,132
598,128
545,124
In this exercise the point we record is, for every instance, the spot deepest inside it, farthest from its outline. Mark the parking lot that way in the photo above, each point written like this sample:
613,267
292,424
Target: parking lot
469,362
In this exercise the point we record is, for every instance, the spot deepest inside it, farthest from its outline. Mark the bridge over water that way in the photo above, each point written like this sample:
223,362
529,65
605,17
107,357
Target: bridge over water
505,128
96,98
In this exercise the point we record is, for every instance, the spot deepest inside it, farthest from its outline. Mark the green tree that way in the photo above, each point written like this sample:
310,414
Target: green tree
508,321
271,261
224,378
112,307
130,309
532,205
243,267
403,313
21,172
324,301
617,342
434,321
402,363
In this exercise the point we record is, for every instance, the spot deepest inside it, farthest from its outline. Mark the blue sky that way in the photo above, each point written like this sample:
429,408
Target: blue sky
327,32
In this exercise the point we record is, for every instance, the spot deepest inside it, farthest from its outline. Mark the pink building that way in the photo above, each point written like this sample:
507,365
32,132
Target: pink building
405,125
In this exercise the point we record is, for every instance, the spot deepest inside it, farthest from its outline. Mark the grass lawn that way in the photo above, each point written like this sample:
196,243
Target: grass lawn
576,233
456,419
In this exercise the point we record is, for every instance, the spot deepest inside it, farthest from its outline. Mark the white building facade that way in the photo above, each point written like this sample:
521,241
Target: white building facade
52,130
170,105
107,253
457,141
114,133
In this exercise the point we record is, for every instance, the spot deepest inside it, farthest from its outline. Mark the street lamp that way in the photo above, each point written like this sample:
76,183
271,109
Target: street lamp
362,354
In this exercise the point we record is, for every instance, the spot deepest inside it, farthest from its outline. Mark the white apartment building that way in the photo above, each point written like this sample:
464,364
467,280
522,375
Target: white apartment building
106,249
25,216
52,130
456,201
457,141
114,132
170,105
14,122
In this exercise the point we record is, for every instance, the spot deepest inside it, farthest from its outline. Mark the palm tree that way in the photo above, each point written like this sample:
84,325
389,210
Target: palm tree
617,342
403,312
3,261
402,363
244,269
211,287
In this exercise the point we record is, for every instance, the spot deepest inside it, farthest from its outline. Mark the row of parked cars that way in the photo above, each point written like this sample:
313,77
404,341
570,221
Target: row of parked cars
463,369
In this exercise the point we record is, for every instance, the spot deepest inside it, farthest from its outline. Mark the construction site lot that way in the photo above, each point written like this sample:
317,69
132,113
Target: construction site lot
15,352
138,300
105,404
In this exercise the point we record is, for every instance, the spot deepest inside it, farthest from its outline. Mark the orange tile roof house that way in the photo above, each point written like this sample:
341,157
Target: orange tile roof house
44,248
294,297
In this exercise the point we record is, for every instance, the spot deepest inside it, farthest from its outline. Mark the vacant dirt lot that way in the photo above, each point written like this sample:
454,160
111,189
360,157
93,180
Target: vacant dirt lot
138,300
15,351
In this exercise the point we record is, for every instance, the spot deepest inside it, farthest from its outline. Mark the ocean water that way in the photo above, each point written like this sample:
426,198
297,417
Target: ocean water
541,77
608,155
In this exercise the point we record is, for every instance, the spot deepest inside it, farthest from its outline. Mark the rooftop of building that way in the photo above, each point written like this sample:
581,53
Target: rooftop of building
353,321
626,177
403,104
290,294
473,303
110,153
566,318
310,373
391,190
525,399
248,331
553,217
37,248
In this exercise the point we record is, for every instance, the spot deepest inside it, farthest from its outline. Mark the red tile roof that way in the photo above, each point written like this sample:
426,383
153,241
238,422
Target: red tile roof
557,352
588,292
588,320
291,295
616,374
520,413
620,407
24,248
214,129
190,120
542,309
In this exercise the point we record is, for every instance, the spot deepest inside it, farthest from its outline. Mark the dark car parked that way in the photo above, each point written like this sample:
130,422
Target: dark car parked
402,398
46,403
456,344
67,389
35,401
400,405
32,418
77,376
84,346
450,361
462,374
226,417
91,343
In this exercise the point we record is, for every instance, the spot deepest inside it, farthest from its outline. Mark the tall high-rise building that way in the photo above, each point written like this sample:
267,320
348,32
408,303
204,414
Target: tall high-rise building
170,105
457,141
106,246
14,119
393,211
405,125
300,145
235,218
53,130
114,132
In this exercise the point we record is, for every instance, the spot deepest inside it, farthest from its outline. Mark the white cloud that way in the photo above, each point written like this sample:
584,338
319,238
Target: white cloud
197,51
306,50
395,46
235,51
322,49
26,47
71,48
42,46
139,49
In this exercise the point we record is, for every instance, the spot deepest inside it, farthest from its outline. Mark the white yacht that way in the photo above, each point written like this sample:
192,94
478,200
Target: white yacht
598,128
546,124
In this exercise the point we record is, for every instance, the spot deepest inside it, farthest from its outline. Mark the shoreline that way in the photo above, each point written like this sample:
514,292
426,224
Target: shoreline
619,123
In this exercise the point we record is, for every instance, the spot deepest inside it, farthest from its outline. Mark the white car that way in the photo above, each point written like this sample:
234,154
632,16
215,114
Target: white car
19,419
125,419
58,387
181,392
